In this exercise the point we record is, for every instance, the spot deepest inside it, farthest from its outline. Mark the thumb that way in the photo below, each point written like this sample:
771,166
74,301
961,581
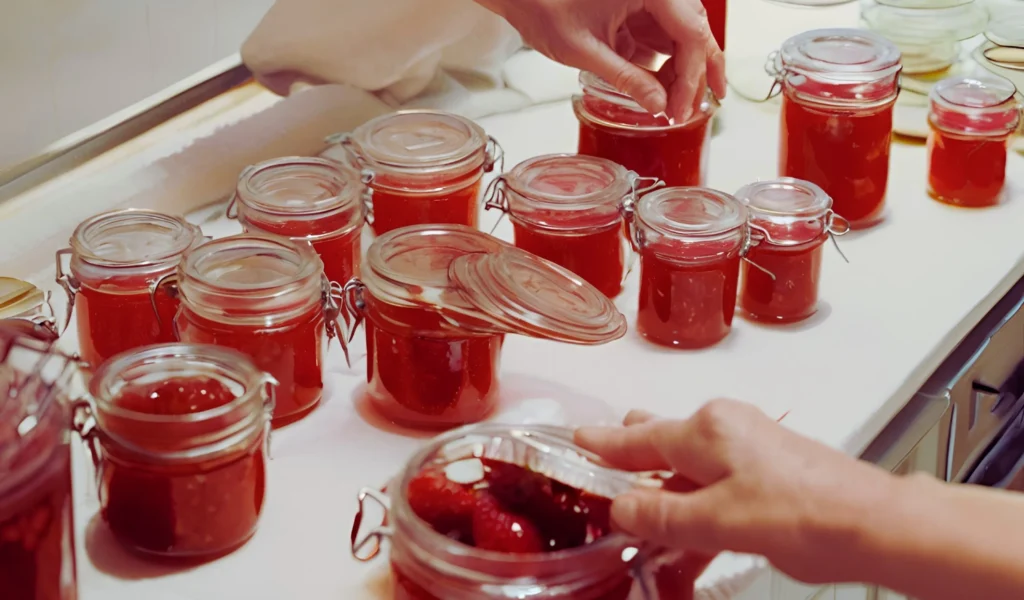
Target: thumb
630,79
670,519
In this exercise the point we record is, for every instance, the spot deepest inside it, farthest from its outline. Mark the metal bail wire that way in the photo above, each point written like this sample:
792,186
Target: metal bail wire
495,155
836,225
773,67
231,211
171,279
750,241
68,282
375,535
333,301
269,385
84,423
496,196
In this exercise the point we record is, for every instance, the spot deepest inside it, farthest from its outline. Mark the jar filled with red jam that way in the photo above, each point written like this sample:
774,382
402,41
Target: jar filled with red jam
972,119
615,127
265,296
691,241
839,87
568,209
438,301
309,200
115,258
496,511
37,547
423,167
791,220
180,438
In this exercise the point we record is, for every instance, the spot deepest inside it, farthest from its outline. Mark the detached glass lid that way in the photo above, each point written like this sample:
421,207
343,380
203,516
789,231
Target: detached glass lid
1006,47
420,140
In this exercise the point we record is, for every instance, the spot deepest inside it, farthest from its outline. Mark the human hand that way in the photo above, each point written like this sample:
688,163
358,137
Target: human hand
609,38
743,483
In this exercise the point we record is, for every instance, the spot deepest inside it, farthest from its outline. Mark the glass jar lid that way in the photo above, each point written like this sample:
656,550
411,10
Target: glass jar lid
691,212
299,186
975,104
604,104
840,55
569,181
787,211
423,140
916,22
133,238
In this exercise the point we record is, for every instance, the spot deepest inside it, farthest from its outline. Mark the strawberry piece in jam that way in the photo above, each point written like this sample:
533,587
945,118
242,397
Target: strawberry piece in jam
446,506
498,529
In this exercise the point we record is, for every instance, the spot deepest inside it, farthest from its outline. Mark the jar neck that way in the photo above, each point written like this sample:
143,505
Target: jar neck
587,214
692,249
598,108
824,91
995,121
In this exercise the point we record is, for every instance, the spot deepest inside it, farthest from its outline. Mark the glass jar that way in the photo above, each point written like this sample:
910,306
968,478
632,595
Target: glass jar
972,119
422,166
37,546
438,300
115,259
179,435
430,566
267,297
307,199
568,208
839,87
791,220
928,34
615,127
690,242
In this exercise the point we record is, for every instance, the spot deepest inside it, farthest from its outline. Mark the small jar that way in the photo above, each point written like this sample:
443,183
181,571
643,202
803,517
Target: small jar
691,241
179,435
791,220
838,91
115,259
310,200
430,566
972,119
928,34
267,297
438,300
422,167
568,209
37,545
615,127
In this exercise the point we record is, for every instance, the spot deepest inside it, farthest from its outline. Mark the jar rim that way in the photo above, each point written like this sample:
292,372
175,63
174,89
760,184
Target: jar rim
91,244
784,197
691,212
841,55
420,140
595,86
974,92
341,179
205,263
616,182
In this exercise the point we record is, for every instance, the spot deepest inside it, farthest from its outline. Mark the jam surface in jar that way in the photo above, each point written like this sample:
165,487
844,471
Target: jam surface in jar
262,296
115,259
182,459
839,89
567,209
614,127
972,119
307,199
691,241
425,166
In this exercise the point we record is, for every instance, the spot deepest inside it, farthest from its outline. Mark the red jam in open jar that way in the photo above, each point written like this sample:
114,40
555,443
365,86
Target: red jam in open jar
615,127
423,167
37,547
568,209
792,220
495,511
839,87
691,241
181,448
264,296
308,200
116,258
972,119
438,300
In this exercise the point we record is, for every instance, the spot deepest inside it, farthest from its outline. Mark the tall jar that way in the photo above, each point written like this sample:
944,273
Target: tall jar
691,241
615,127
839,87
310,200
791,220
423,167
267,297
568,209
430,566
37,546
972,119
115,258
179,434
438,300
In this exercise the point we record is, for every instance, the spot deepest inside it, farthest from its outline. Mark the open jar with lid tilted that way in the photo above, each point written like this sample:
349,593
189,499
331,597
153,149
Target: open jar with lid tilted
179,435
690,241
267,297
839,87
422,166
115,260
972,119
615,127
307,199
790,221
568,208
496,511
437,302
